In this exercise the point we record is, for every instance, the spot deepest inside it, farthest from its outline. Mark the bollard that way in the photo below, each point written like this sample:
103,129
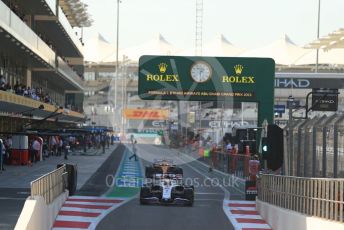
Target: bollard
233,157
246,160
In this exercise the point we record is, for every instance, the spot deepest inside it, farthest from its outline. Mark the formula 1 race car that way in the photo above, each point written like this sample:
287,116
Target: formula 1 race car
163,167
167,191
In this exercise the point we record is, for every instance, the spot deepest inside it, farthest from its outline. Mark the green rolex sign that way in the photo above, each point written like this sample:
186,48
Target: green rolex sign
209,79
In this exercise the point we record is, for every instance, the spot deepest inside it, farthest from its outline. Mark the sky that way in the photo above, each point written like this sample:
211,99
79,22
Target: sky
245,23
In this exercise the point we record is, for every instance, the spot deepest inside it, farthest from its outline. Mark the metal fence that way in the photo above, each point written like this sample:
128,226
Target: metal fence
315,147
317,197
51,185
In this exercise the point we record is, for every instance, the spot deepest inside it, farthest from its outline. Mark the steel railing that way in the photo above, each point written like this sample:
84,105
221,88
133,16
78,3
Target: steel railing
50,185
319,197
24,101
69,29
69,73
28,102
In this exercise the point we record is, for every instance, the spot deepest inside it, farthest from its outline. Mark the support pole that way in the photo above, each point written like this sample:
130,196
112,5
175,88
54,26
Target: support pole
318,35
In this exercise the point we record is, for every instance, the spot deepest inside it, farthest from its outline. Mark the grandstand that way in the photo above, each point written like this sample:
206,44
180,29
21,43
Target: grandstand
41,63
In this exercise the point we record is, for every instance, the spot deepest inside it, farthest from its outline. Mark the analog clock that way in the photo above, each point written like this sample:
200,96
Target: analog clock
200,71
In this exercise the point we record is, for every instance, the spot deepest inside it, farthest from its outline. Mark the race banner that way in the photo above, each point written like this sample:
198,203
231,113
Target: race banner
146,114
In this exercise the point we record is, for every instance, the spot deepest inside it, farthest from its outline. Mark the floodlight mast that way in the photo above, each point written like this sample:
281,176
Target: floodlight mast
199,28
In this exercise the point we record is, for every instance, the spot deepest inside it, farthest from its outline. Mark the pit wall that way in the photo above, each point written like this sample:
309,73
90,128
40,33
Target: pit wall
284,219
37,215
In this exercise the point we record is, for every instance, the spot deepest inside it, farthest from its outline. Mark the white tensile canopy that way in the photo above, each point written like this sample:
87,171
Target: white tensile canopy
219,46
97,48
156,46
283,51
330,57
331,41
331,50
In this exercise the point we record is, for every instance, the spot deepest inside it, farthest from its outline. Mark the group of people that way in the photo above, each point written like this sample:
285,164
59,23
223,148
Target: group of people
37,93
56,145
41,147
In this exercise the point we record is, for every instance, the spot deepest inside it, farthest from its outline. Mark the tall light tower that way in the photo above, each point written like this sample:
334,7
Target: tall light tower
199,43
117,61
199,27
198,52
117,45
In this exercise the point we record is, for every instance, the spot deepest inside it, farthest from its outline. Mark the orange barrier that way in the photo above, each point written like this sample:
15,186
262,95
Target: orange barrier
19,157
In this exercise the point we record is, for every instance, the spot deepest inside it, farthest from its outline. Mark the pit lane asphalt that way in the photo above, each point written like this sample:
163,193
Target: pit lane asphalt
12,199
207,212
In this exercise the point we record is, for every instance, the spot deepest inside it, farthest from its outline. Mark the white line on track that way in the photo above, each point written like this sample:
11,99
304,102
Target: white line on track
90,203
208,193
220,200
81,209
11,198
74,218
244,208
247,216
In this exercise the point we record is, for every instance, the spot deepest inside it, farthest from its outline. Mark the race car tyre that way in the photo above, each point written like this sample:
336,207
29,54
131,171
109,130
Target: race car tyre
144,193
189,195
175,170
150,171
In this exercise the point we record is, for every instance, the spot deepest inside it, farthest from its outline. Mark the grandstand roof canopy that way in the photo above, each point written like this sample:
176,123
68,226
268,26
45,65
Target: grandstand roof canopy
97,48
219,46
330,57
331,41
156,46
282,50
76,12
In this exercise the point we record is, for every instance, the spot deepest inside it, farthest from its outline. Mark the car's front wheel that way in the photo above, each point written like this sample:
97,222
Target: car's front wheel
144,193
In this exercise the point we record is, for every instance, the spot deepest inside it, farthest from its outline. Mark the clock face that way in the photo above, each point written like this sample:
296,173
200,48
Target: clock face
201,71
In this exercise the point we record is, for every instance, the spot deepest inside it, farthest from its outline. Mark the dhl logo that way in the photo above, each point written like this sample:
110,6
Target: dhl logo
140,114
146,114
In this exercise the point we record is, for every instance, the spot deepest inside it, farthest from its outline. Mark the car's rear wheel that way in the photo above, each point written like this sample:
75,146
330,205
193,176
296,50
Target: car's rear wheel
149,172
175,170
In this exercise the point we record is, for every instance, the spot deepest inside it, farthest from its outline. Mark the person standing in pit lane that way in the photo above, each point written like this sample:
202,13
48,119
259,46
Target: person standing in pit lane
60,145
35,148
103,142
254,167
65,148
3,154
134,151
108,140
112,139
